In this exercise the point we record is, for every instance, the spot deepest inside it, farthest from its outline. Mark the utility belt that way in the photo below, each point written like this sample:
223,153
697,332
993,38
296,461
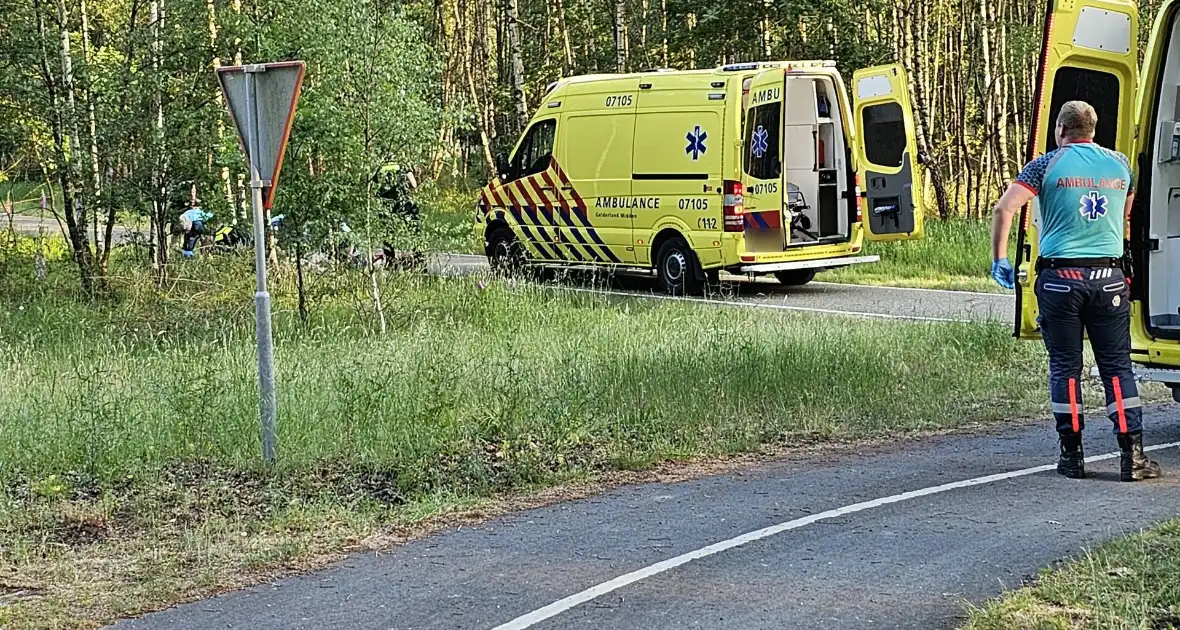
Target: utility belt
1064,263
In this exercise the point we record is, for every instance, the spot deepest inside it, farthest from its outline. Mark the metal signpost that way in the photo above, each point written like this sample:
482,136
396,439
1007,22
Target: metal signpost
262,101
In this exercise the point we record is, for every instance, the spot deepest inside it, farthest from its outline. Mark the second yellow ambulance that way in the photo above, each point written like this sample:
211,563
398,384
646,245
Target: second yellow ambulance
755,169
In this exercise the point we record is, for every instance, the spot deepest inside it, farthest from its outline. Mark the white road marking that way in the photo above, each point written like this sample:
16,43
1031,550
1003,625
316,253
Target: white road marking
764,305
562,605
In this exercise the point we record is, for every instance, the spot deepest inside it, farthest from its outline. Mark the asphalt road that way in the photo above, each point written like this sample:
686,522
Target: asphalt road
816,297
846,547
24,224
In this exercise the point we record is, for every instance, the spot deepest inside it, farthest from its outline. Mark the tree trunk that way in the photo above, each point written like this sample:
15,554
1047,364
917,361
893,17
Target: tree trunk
1003,95
227,188
568,68
61,124
481,122
39,258
512,17
620,36
95,174
646,8
10,211
764,28
916,71
988,91
241,212
664,32
299,281
159,164
371,160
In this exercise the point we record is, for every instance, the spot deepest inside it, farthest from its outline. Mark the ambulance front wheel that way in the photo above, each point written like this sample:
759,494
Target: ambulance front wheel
795,277
676,266
505,253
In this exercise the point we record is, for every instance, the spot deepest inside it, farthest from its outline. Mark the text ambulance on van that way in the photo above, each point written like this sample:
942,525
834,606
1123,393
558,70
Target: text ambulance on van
1089,52
748,168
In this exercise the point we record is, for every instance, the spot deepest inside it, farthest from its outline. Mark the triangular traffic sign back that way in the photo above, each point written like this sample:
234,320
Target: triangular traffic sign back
276,92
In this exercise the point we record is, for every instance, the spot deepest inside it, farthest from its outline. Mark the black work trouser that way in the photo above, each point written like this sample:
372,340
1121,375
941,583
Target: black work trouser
1096,300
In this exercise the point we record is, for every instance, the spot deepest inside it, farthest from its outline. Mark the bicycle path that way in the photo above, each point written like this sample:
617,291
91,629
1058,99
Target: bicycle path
897,535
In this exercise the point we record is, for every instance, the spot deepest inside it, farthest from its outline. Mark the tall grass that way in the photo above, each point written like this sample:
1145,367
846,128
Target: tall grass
472,389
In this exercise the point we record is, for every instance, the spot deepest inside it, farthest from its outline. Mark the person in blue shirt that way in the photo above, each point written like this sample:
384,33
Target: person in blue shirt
192,225
1084,193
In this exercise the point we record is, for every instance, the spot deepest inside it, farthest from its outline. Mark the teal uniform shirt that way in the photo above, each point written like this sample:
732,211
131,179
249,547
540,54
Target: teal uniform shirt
1082,188
197,214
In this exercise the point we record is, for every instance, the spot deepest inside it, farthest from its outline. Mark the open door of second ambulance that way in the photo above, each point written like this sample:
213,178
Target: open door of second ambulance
886,154
1089,53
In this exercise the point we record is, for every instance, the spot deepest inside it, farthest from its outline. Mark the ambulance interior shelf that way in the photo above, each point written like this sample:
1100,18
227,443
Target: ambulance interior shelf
1163,205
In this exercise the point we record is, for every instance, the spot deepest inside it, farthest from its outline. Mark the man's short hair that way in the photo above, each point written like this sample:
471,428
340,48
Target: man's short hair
1078,120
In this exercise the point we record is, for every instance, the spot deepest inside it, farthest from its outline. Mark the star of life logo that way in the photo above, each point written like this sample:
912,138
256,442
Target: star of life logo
696,143
761,142
1093,205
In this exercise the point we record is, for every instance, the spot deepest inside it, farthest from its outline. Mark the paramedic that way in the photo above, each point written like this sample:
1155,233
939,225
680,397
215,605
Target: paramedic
1084,193
192,225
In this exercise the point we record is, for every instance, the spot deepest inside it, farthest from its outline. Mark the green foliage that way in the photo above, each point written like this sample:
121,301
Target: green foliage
367,100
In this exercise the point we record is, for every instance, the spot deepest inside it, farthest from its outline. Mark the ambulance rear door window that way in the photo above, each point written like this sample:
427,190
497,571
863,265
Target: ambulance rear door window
1099,89
884,126
763,136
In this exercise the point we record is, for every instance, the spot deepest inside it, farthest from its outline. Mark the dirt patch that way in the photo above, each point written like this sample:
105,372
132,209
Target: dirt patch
79,531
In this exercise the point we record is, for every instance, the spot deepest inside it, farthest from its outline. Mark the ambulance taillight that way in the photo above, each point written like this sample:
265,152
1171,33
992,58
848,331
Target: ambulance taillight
734,206
859,198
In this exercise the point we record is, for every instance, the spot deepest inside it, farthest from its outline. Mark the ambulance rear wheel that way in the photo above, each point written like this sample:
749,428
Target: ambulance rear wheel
505,253
795,277
676,267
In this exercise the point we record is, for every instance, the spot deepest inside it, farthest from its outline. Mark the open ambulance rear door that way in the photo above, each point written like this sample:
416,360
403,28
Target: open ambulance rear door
1088,53
1154,242
886,154
762,161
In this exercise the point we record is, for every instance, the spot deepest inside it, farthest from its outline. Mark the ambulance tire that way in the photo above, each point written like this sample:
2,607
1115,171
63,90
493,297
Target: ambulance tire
676,267
795,277
505,253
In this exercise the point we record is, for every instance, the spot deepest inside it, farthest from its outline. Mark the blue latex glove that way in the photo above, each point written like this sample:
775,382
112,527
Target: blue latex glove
1003,273
187,254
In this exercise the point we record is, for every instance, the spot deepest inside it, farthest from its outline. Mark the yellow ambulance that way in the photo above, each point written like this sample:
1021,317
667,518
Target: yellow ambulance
753,168
1089,52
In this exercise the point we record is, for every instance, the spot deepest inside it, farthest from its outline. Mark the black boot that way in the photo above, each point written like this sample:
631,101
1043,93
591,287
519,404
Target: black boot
1133,462
1072,462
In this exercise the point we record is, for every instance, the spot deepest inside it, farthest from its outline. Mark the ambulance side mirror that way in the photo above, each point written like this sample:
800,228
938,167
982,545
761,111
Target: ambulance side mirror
502,165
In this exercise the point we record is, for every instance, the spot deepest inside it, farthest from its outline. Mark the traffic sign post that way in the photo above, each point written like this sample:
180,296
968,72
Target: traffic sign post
261,100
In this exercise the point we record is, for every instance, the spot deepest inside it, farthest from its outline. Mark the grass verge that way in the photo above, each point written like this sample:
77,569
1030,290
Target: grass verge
129,472
1132,582
954,255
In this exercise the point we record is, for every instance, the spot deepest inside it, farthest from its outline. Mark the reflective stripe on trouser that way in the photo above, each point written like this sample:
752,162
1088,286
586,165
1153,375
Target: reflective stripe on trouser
1066,394
1071,301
